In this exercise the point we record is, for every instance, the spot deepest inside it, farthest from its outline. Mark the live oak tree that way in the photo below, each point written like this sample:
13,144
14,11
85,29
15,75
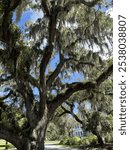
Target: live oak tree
73,34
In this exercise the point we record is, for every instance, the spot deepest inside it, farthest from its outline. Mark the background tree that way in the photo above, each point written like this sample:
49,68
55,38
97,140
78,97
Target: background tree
94,111
60,127
73,34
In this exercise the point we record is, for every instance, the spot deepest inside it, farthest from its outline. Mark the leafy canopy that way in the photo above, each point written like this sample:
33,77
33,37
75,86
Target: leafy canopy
35,64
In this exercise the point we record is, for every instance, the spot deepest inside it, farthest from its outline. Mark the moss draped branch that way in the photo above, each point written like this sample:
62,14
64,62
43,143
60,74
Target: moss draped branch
78,86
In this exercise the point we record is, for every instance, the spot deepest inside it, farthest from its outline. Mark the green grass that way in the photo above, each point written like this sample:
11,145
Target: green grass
3,143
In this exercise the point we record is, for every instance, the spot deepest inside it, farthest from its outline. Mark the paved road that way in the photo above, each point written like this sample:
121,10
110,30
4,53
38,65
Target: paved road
57,147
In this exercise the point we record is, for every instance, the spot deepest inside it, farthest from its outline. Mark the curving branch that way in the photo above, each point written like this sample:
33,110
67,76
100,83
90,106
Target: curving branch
82,62
65,111
59,99
104,75
4,79
78,86
55,73
8,134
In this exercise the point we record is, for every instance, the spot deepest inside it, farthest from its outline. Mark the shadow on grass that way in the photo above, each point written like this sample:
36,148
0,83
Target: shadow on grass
6,146
2,145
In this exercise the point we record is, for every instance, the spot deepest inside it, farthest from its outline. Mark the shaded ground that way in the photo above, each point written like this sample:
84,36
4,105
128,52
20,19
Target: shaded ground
60,147
3,143
54,145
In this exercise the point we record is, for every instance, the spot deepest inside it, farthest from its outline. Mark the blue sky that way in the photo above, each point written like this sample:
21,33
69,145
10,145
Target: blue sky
28,15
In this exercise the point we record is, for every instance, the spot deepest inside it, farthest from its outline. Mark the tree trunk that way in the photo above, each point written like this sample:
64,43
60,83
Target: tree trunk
32,145
100,140
33,140
37,137
99,137
26,143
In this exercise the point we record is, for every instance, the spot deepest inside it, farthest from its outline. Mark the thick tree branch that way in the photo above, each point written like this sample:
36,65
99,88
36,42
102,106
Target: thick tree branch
4,79
25,90
59,99
104,75
78,86
71,112
55,73
81,61
33,81
9,135
46,58
45,7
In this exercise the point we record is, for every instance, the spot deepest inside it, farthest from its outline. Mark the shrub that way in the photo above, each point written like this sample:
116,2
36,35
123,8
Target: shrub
92,139
75,140
89,140
65,141
85,141
71,141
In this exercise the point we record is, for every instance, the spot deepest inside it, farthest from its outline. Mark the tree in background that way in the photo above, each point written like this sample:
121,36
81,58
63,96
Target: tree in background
76,35
94,111
60,127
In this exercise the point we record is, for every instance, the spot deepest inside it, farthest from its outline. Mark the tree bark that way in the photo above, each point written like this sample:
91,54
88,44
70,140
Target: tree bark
99,137
32,145
37,136
33,140
27,143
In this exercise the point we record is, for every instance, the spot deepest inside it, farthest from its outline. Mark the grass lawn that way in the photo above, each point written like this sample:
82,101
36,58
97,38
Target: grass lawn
3,143
52,142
